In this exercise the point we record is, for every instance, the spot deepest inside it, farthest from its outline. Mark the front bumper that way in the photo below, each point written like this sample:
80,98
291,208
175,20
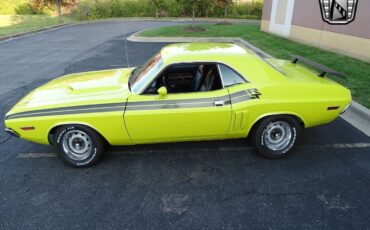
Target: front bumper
12,132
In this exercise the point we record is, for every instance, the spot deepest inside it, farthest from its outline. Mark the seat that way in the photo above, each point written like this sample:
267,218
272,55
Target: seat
208,81
198,79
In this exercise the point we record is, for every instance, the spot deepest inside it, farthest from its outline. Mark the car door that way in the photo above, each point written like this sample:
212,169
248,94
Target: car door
243,95
180,116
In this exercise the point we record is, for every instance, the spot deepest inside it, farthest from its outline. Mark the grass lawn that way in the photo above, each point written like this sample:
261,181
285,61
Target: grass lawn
13,24
357,72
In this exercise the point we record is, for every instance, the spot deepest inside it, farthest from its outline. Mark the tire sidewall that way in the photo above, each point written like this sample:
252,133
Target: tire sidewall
260,140
96,145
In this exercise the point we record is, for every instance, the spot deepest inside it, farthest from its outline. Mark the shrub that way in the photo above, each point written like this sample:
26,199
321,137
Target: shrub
81,10
170,8
131,8
101,9
249,10
9,6
24,9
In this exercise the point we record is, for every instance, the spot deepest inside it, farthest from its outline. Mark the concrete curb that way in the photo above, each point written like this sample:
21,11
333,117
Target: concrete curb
24,34
357,115
365,112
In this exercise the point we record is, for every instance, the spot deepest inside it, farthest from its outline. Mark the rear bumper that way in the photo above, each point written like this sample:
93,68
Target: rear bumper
345,109
12,132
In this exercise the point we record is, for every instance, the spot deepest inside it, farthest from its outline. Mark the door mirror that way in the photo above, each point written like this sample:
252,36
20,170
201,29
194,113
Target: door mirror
162,91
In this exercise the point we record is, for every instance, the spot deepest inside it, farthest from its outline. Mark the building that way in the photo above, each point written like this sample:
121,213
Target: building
301,20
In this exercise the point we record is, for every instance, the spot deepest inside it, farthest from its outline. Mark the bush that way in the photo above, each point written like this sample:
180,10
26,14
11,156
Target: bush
87,9
172,8
131,8
24,9
9,6
102,9
248,10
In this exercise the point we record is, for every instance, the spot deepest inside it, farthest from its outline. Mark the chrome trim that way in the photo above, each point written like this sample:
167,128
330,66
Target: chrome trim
12,132
220,74
219,103
274,66
232,69
345,109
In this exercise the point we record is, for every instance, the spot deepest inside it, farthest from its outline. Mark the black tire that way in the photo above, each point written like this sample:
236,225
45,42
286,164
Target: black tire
70,139
266,134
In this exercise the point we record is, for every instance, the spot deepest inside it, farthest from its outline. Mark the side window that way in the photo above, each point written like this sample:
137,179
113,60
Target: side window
186,78
229,76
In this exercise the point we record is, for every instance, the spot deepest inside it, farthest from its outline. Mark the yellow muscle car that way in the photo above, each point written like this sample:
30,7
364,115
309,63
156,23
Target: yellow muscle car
186,92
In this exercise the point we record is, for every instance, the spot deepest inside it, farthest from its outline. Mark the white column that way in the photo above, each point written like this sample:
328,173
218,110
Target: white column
278,28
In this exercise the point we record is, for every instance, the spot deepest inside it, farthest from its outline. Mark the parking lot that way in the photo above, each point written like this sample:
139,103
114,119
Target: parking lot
212,185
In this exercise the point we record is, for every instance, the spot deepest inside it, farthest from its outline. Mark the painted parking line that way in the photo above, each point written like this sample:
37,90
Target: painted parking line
345,146
222,149
36,155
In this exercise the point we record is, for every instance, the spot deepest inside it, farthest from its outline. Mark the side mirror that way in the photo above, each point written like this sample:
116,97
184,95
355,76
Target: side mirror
162,91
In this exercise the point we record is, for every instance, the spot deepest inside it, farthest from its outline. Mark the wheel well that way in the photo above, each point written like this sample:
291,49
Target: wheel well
298,119
52,132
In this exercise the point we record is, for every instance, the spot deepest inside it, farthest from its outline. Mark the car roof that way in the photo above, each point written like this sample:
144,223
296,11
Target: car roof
202,51
241,59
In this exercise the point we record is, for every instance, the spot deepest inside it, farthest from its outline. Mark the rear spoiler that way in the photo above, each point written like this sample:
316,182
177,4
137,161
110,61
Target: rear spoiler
322,69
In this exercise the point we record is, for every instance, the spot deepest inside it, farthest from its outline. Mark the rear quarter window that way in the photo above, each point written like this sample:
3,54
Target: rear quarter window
230,77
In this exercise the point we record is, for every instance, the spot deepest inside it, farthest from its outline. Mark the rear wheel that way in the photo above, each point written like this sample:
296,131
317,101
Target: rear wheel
275,137
78,146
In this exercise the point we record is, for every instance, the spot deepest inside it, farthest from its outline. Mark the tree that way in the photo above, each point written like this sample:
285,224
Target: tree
59,9
193,5
207,5
157,4
225,5
41,4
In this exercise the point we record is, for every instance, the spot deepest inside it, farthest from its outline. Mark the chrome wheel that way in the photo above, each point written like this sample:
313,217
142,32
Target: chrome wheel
277,135
77,145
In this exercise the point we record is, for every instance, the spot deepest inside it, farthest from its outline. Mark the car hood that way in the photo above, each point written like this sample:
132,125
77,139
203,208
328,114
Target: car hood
98,87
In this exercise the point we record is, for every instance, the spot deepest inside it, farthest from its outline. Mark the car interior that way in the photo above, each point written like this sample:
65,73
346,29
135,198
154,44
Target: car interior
184,78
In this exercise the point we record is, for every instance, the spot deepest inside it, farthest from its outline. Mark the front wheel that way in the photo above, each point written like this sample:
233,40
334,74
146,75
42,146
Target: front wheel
78,146
275,137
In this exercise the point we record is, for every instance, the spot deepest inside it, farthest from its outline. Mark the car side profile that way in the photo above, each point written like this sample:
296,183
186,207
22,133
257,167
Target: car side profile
185,92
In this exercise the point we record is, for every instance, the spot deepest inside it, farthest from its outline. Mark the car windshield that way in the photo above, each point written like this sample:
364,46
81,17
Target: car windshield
146,72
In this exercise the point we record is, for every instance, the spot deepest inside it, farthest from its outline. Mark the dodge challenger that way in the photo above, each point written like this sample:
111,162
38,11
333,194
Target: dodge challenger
185,92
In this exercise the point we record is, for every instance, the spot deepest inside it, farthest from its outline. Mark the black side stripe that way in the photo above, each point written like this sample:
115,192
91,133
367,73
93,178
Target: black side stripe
238,94
81,107
132,106
180,101
240,99
174,105
93,110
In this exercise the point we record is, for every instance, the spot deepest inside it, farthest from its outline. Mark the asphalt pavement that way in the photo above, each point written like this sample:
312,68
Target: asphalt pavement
195,185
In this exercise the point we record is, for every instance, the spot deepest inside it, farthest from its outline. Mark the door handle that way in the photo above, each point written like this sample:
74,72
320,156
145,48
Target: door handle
219,103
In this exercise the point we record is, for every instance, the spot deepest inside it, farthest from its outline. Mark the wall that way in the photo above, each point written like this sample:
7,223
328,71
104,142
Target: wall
306,25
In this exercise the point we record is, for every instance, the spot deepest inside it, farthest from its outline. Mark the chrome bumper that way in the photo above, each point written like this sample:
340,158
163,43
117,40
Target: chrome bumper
12,132
345,109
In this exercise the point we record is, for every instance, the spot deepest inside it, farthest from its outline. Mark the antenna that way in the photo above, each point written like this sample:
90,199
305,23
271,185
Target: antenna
126,47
